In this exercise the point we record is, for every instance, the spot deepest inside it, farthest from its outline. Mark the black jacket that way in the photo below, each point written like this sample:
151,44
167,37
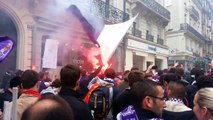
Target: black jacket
6,96
121,102
80,109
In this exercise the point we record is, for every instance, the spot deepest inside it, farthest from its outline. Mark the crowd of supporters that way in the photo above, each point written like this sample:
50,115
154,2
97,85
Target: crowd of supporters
135,95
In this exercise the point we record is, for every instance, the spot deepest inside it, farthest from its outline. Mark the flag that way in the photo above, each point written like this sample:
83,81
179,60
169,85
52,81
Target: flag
111,36
6,46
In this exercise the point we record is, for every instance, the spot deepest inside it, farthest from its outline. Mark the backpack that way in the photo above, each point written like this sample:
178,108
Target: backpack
100,101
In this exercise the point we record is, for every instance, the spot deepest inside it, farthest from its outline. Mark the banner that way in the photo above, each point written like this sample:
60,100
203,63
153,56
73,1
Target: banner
6,46
50,54
111,36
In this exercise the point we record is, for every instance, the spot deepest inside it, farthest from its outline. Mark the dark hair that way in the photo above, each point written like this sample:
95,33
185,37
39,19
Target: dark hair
41,75
196,72
204,81
29,79
160,72
147,75
15,82
134,76
126,74
134,68
56,109
155,67
179,71
172,70
69,74
143,88
83,72
178,89
109,73
56,83
168,77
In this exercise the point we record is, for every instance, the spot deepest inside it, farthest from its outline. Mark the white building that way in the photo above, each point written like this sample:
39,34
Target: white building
145,43
189,31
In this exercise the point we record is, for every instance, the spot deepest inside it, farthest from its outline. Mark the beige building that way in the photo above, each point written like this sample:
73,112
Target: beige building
31,22
145,43
189,33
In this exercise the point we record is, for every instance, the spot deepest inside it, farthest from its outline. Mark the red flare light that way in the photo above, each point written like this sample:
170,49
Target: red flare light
105,67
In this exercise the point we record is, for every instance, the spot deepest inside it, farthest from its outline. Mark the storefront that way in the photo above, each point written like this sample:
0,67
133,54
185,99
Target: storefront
141,55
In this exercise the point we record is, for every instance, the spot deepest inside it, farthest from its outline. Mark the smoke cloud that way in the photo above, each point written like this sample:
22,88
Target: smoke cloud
75,32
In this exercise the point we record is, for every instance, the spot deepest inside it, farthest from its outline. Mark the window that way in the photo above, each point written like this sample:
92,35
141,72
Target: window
159,32
148,26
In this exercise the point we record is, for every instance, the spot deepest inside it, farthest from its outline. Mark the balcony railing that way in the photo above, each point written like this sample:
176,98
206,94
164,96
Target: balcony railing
194,13
188,28
136,32
110,13
160,41
150,37
156,7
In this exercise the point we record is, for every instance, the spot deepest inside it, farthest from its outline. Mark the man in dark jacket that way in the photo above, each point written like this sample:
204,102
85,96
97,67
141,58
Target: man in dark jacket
7,95
148,102
124,99
70,76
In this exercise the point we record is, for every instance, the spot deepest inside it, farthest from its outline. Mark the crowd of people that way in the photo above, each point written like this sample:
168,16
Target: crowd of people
138,95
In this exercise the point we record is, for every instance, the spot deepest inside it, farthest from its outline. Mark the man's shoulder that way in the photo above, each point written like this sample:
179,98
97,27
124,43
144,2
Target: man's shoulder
176,107
73,101
124,95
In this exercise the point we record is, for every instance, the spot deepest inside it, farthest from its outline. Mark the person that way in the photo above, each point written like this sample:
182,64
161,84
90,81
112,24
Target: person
7,95
30,94
44,81
176,93
109,75
186,115
203,104
125,83
192,89
5,82
85,80
56,85
204,81
49,107
70,76
148,102
123,99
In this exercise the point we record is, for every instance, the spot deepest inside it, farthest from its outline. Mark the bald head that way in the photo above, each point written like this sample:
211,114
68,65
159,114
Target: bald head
49,107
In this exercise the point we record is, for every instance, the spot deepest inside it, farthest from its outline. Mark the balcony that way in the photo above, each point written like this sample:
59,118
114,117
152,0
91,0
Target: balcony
150,37
194,13
186,27
136,32
157,8
160,41
110,13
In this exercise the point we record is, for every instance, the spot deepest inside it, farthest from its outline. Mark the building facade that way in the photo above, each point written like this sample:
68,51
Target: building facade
145,43
189,34
31,22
